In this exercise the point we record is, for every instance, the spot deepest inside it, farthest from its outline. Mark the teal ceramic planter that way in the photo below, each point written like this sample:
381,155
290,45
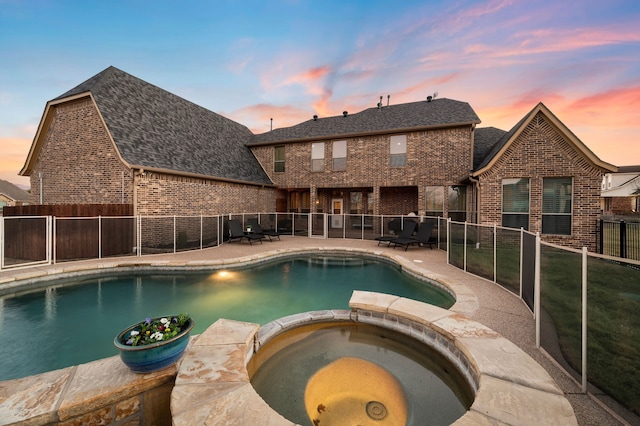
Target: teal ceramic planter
148,358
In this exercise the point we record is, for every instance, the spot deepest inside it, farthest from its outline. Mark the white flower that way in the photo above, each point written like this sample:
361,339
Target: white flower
134,333
164,320
157,335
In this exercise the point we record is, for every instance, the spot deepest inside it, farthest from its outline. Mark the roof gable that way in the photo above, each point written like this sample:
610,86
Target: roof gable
501,145
395,118
153,128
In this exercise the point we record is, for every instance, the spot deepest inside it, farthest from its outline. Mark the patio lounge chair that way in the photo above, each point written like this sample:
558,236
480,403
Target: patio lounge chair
422,237
237,233
269,233
407,230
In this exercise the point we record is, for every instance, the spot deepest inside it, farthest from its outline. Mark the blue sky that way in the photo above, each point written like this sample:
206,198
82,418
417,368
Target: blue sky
291,59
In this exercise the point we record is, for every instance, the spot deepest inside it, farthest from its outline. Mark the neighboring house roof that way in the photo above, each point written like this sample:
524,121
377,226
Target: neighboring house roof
411,116
13,192
503,143
625,183
155,129
629,169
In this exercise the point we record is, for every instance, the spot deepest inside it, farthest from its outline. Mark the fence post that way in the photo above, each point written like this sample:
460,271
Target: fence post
51,235
201,232
584,319
100,236
1,242
601,242
448,241
464,247
495,253
139,224
174,233
623,239
536,297
521,258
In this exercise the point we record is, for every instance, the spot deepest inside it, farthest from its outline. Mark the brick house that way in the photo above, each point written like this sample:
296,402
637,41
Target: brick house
116,138
621,192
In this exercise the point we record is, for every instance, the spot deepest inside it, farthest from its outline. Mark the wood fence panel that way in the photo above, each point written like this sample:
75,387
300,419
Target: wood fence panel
75,238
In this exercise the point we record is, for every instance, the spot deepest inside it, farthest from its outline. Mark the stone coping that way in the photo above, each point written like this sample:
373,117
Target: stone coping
24,281
213,385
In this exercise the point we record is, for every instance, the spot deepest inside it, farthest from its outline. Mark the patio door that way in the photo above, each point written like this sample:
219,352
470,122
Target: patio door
336,213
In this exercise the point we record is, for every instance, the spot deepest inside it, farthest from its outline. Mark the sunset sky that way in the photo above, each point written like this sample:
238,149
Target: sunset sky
291,59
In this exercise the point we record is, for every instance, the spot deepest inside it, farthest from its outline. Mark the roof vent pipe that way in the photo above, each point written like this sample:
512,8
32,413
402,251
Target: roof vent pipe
388,98
429,98
380,103
315,118
345,113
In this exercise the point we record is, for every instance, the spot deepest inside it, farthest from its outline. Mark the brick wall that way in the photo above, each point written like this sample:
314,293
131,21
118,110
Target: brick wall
160,194
78,161
434,157
541,152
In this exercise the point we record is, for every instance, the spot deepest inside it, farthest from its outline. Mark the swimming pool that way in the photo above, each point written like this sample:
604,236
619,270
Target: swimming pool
74,321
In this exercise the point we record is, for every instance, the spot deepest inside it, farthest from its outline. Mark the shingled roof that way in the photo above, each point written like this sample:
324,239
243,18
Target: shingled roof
13,192
154,128
394,118
484,139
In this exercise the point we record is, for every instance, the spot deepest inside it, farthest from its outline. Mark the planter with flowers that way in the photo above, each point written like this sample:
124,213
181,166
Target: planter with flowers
155,343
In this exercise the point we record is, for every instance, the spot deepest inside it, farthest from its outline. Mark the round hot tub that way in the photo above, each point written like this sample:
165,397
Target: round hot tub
349,372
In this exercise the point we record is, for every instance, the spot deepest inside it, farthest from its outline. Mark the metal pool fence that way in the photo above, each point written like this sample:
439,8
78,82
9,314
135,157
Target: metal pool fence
586,306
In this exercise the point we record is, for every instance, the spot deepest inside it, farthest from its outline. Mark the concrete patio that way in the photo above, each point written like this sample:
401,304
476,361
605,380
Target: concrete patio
478,299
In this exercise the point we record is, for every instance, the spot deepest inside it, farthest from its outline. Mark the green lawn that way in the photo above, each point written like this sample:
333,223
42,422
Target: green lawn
613,295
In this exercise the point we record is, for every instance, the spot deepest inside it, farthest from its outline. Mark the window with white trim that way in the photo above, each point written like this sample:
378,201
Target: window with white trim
515,203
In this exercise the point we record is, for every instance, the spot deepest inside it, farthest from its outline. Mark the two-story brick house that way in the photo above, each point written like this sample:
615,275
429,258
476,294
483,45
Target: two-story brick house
118,139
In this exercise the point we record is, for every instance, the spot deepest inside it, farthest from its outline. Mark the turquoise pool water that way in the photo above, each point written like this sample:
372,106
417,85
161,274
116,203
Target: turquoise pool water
73,322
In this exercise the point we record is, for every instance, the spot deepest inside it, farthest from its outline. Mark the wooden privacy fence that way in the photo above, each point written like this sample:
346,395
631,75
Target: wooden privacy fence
81,230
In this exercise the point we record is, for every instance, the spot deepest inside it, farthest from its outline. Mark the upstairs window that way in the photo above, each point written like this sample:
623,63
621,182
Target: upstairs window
515,203
398,151
434,197
339,155
317,157
278,158
457,203
557,209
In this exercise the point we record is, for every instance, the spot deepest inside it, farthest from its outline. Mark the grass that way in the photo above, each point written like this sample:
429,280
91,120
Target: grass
613,321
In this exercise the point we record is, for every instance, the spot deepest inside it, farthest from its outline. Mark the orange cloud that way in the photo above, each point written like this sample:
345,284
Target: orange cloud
314,74
14,153
283,116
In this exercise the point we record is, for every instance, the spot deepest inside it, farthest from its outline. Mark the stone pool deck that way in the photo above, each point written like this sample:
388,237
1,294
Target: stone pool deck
478,299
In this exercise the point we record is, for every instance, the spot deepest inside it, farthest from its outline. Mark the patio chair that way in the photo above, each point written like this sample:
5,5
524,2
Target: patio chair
422,237
237,233
256,228
407,230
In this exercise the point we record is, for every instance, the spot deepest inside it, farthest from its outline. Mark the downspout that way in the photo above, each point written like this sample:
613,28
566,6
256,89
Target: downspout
476,184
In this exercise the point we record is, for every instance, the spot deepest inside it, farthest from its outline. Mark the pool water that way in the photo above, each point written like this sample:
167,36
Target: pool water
74,322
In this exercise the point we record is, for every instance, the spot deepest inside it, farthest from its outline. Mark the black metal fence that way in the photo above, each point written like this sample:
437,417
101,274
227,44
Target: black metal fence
619,238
